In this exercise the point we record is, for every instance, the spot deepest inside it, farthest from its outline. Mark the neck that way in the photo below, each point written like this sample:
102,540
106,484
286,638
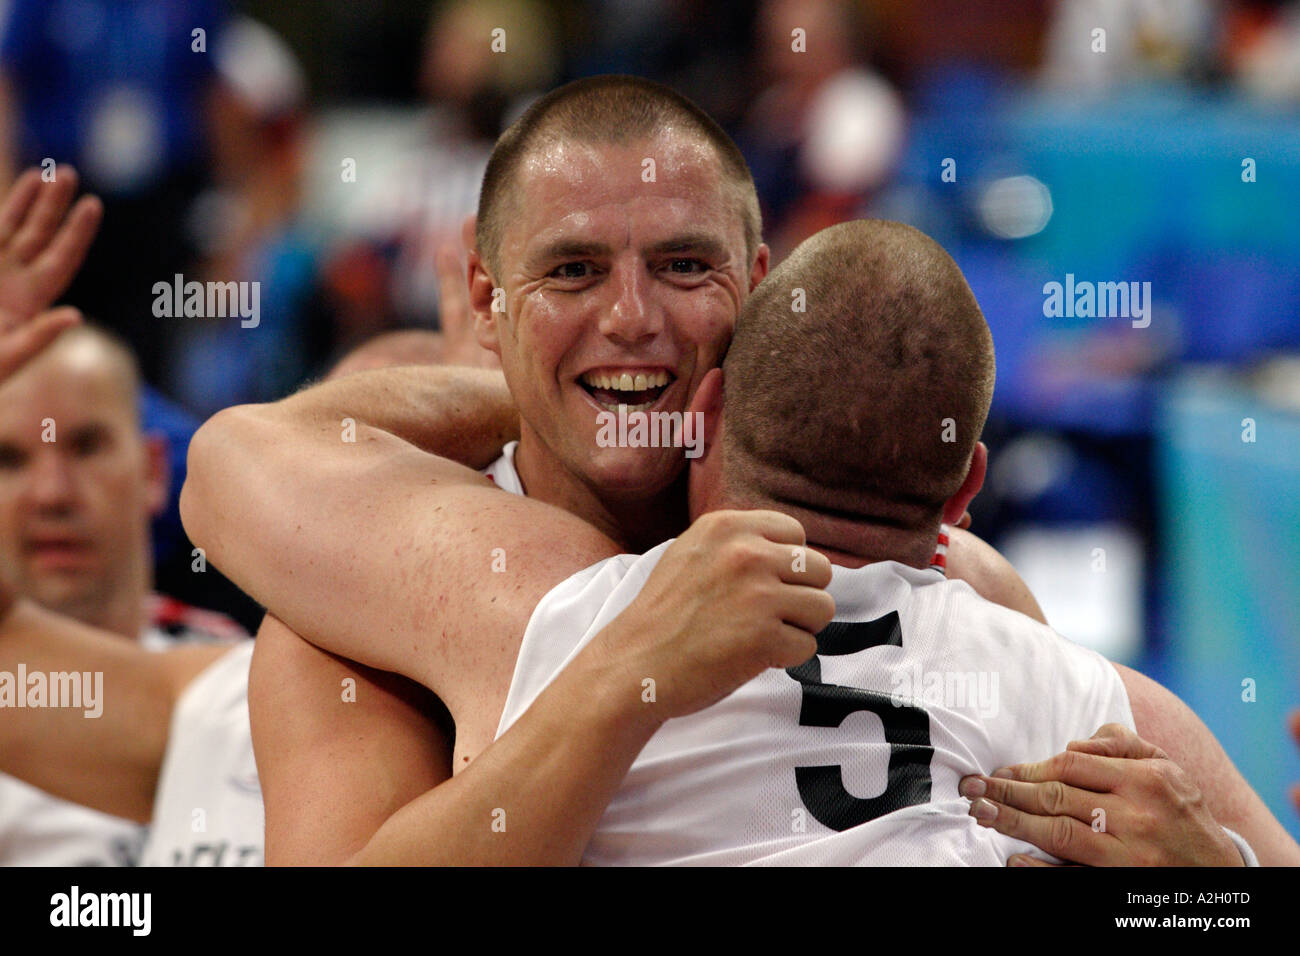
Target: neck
123,613
851,540
636,524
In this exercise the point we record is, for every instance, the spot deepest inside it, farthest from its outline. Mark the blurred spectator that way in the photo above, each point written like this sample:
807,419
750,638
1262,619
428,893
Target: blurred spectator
471,92
115,87
1139,40
246,229
826,131
1262,48
74,538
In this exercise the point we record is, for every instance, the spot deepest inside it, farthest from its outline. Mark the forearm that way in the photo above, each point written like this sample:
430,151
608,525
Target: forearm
535,795
106,749
463,414
272,488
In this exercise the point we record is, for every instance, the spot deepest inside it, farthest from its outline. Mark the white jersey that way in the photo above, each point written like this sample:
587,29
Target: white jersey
208,807
503,473
37,829
852,758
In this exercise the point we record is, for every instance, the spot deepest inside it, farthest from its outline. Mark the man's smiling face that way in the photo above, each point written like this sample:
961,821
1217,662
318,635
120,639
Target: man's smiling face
617,291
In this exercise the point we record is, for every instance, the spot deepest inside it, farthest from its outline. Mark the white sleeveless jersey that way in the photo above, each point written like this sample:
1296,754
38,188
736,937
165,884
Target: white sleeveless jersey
852,758
38,829
208,806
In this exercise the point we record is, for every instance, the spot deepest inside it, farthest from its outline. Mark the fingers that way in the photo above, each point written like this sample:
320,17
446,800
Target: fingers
1052,798
1064,837
44,215
1083,770
772,525
23,343
1024,859
793,646
807,608
56,266
14,208
1116,740
803,565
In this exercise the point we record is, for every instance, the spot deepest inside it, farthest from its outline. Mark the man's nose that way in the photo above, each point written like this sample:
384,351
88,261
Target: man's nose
633,317
51,482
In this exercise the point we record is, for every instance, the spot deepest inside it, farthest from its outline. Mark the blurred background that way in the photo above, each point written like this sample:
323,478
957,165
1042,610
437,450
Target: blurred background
1144,473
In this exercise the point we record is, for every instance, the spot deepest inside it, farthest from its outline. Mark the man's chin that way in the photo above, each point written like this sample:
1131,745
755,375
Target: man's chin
634,472
65,592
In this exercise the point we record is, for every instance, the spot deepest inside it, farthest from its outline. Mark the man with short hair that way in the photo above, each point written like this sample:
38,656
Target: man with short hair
613,281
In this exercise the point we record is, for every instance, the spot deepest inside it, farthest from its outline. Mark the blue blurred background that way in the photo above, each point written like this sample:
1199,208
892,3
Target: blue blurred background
1144,476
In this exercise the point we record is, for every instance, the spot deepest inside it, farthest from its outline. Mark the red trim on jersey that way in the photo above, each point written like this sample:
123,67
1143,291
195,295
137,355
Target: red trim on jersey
165,612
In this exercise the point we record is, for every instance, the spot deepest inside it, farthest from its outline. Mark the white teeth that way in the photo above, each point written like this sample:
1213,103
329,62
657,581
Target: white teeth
626,381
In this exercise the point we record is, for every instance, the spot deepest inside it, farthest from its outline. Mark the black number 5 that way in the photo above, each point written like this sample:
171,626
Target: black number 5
907,730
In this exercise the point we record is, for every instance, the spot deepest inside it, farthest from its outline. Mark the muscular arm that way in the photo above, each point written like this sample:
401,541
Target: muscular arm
1166,721
534,795
110,762
324,531
335,761
369,782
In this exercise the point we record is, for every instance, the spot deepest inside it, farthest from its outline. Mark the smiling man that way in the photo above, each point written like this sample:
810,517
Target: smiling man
614,241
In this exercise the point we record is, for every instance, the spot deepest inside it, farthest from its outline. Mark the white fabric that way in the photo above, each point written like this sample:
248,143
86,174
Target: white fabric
719,787
37,829
208,806
503,473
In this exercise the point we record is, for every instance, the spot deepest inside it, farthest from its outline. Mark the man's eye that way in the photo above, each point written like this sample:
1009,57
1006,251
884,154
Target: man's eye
87,444
572,270
688,266
10,459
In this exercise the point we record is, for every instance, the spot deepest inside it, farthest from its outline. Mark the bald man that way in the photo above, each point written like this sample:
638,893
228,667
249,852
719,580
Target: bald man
79,483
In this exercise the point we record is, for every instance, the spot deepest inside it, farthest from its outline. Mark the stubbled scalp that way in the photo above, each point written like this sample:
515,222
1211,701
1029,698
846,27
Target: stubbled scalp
616,110
843,405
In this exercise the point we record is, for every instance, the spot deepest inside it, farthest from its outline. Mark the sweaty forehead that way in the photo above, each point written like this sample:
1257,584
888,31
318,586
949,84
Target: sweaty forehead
639,191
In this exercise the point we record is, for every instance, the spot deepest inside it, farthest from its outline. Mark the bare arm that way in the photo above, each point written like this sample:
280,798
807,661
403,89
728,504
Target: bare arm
1166,721
324,533
332,769
369,781
535,795
108,762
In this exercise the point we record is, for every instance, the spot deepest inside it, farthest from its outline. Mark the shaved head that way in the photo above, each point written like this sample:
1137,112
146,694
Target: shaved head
89,347
389,349
79,482
868,402
618,110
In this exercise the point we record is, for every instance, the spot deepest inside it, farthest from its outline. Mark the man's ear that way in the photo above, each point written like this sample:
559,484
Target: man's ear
762,262
956,505
483,296
158,473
